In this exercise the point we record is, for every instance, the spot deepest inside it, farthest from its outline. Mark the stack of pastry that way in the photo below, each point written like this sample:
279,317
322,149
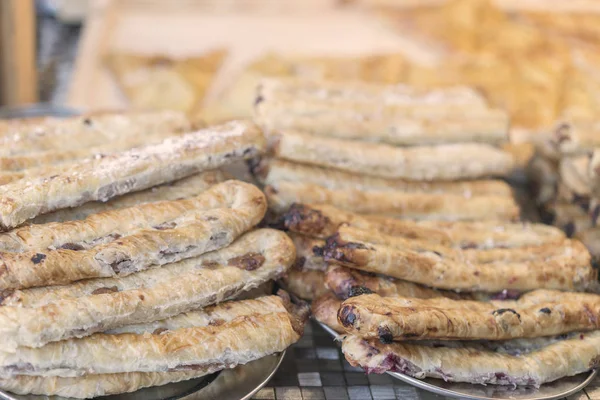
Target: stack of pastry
114,269
481,302
565,175
387,151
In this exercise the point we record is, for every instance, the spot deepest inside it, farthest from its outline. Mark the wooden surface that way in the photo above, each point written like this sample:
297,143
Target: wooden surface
18,74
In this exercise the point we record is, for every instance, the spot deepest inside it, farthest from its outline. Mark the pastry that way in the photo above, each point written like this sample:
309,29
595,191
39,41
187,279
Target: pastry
156,82
125,241
88,386
371,316
307,252
577,136
87,131
34,317
419,206
468,363
543,175
569,217
224,344
429,163
305,283
274,171
323,221
565,252
130,171
180,189
396,115
435,270
325,309
346,282
574,174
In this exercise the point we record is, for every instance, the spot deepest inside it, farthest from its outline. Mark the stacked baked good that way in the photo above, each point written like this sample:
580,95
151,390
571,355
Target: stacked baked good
565,176
125,270
381,150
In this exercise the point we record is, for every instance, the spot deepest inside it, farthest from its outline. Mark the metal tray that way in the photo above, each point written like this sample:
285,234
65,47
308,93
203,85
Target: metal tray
239,383
555,390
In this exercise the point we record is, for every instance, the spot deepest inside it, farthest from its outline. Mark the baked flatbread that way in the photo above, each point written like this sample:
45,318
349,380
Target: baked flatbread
433,269
130,171
176,190
223,344
157,82
323,221
125,241
468,363
419,206
34,317
87,131
274,171
428,163
371,316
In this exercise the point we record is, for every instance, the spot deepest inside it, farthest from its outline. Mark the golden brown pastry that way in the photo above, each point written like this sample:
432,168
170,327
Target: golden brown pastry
87,131
433,269
274,171
223,344
371,316
307,252
134,170
306,283
347,282
470,363
34,317
323,221
125,241
157,82
418,206
429,163
176,190
325,309
397,115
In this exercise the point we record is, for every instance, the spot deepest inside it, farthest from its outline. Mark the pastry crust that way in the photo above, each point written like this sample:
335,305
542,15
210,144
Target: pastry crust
42,315
436,270
420,206
394,318
347,282
323,221
471,364
428,163
89,386
86,131
125,241
569,251
325,309
244,339
274,171
134,170
177,190
394,115
304,283
308,252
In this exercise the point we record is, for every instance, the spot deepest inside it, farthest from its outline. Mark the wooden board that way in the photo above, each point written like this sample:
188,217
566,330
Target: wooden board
192,27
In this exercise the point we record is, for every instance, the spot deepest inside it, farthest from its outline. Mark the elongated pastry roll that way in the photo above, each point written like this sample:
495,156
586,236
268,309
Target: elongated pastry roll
124,241
223,344
95,385
323,221
371,316
435,270
134,170
468,363
429,163
420,206
179,189
82,132
42,315
273,171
